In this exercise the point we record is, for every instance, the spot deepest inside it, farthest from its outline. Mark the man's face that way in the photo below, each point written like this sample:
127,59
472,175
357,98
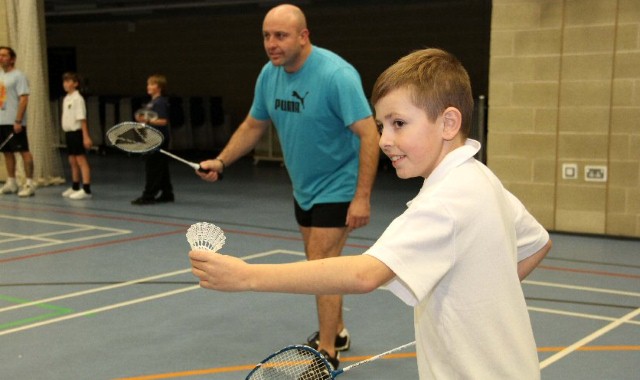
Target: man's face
283,42
6,62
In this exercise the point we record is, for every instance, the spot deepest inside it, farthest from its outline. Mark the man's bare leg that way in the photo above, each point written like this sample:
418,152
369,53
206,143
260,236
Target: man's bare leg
322,243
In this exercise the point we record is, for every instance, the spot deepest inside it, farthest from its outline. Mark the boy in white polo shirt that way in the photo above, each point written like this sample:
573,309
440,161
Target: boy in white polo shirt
74,125
458,252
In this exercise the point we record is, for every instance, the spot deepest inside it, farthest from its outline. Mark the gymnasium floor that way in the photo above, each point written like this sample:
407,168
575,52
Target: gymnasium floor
100,289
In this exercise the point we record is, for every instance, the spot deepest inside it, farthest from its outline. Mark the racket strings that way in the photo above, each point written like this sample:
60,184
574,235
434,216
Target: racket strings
292,364
134,137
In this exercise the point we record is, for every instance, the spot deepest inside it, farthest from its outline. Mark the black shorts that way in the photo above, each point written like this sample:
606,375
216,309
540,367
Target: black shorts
18,142
75,144
322,215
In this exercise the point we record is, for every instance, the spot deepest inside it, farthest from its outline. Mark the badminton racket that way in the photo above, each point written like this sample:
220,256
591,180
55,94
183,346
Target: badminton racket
6,140
133,137
300,362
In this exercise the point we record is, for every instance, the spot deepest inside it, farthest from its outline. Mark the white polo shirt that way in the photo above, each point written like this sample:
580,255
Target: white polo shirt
454,252
73,112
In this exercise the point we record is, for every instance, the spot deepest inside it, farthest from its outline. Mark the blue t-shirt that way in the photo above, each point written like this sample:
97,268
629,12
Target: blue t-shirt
160,105
312,110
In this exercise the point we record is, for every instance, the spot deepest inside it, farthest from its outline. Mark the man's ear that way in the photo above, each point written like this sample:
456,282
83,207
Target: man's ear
452,121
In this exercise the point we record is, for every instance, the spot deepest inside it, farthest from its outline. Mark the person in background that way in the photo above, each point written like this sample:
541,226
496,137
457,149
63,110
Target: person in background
14,98
315,100
74,125
158,188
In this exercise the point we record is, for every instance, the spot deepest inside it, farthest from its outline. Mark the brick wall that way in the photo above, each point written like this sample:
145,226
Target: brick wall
564,88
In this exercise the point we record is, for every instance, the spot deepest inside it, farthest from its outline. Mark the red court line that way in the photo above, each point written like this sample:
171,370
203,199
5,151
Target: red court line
272,236
75,213
89,246
209,371
596,272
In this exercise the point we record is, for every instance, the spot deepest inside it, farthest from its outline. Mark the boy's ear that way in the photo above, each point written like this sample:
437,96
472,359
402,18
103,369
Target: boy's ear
452,120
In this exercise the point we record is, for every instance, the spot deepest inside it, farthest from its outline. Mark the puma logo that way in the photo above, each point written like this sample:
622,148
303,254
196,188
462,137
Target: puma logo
301,98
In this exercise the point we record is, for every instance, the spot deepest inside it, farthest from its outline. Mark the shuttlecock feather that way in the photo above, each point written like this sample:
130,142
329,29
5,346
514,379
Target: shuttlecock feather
205,236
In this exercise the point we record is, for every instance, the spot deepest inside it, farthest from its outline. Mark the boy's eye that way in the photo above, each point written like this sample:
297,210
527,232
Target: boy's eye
379,127
399,123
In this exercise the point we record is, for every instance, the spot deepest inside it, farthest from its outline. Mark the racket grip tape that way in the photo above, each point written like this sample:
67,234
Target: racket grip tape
203,170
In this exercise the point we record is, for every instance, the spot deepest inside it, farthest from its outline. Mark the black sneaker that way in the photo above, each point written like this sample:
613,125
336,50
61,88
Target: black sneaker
335,361
318,370
143,201
165,198
343,340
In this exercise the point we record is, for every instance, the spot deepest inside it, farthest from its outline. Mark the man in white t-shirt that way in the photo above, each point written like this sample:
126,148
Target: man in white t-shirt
457,254
14,97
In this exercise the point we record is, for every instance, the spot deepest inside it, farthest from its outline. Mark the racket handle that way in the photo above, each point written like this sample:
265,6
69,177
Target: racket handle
203,170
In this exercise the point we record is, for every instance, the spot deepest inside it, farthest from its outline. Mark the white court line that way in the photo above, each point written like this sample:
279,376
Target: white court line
48,221
110,287
615,322
75,240
47,235
583,288
94,290
577,315
249,257
589,338
99,310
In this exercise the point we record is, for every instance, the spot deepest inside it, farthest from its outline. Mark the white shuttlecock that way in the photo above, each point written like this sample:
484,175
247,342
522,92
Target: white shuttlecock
205,237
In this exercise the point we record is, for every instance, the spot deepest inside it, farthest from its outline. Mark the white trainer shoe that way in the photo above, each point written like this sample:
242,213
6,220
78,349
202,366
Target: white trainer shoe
9,188
68,192
27,191
80,194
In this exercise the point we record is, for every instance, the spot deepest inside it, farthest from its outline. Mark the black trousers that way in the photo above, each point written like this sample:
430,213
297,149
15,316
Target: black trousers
157,175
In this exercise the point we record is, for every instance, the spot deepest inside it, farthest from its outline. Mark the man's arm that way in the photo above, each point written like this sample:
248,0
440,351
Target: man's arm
243,140
360,208
527,265
22,109
336,275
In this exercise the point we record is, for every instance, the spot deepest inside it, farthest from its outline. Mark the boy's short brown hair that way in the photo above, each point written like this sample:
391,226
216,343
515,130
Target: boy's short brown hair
159,80
436,79
72,76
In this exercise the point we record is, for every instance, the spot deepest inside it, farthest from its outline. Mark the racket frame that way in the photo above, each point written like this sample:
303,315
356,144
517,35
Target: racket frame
318,355
134,125
6,140
298,347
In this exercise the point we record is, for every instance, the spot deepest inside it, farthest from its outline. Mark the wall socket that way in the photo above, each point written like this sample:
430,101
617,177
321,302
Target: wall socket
570,171
595,173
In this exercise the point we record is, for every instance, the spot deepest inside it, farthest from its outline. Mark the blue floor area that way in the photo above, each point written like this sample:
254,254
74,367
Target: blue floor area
101,289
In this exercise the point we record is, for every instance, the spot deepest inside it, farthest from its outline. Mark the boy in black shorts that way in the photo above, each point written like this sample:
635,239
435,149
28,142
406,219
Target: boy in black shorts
74,125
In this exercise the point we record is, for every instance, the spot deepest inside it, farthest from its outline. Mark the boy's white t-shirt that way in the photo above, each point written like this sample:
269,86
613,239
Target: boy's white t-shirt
73,112
454,252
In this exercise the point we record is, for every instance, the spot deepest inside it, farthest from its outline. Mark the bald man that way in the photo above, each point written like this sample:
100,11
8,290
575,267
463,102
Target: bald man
315,100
